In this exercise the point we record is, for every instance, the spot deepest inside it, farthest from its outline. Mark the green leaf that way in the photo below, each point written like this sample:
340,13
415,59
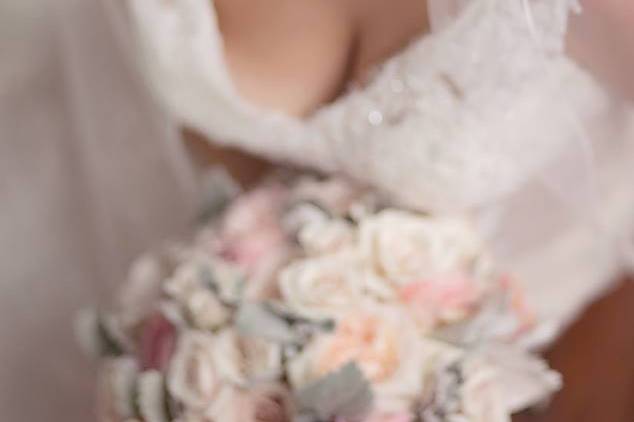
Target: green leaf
345,394
98,334
218,189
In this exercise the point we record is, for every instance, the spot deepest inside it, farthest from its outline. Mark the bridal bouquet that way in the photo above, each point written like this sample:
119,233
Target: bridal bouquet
310,300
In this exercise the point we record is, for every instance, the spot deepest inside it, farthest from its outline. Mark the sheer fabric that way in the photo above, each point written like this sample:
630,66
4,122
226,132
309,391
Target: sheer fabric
90,176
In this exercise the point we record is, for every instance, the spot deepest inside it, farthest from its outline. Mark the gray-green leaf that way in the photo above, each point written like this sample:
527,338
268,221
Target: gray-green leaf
258,320
345,394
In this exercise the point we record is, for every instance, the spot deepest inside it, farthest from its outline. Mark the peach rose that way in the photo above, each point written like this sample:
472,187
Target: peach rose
386,346
368,341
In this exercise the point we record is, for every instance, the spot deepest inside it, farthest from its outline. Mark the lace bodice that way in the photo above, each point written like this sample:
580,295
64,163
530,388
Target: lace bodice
448,123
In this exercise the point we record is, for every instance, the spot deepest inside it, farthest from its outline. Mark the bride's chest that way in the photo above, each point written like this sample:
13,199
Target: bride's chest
294,57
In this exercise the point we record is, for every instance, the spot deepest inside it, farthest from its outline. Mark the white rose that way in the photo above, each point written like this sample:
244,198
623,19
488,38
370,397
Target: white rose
185,281
194,378
197,273
142,290
151,397
116,386
326,236
481,394
244,360
202,305
322,287
229,279
385,345
526,379
468,388
205,310
401,247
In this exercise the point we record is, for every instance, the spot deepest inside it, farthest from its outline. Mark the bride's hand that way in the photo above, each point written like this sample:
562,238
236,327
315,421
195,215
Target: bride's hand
602,39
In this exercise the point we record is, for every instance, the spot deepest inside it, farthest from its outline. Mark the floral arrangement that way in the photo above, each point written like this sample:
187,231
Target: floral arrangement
310,300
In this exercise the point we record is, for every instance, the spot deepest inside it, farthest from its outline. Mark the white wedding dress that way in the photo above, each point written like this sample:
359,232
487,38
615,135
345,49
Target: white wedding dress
486,116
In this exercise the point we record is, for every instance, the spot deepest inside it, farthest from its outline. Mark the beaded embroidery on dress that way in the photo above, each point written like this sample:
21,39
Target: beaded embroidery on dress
480,117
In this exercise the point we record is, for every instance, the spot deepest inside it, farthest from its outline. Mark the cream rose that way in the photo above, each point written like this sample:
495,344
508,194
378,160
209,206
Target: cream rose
481,394
142,290
326,236
185,281
192,276
385,345
194,378
116,385
246,360
401,247
205,310
202,305
323,287
335,193
467,388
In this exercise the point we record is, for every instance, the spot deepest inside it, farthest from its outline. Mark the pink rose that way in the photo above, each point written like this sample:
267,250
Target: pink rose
251,230
444,299
158,341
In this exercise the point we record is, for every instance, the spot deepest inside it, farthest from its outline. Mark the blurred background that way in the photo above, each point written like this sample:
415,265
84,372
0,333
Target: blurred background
60,249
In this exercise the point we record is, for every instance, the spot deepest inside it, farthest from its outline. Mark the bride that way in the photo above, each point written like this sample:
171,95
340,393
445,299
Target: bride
483,114
461,107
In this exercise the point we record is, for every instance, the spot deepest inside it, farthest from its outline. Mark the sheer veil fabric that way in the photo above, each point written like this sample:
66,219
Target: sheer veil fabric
91,175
